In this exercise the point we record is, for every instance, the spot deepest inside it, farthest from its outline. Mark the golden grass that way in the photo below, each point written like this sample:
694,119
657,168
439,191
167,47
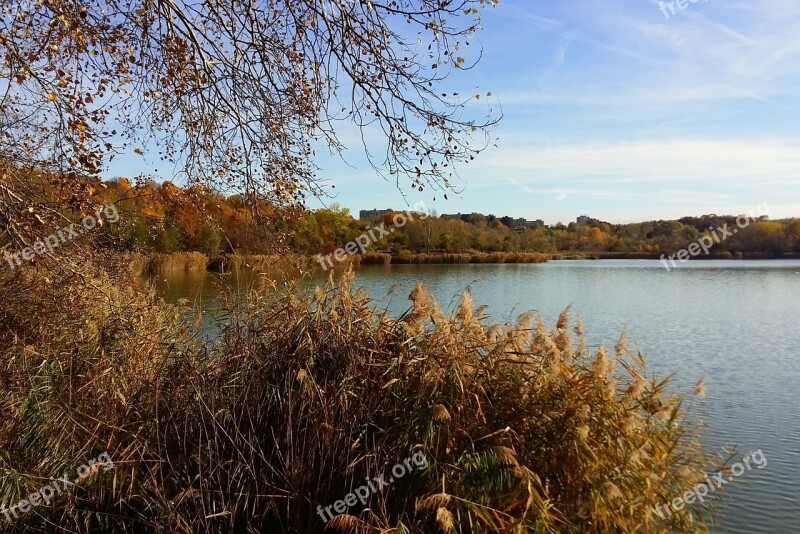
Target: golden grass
375,258
196,261
176,261
259,262
474,257
304,395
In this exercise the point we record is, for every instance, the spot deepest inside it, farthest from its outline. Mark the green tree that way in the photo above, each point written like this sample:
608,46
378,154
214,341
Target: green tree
210,240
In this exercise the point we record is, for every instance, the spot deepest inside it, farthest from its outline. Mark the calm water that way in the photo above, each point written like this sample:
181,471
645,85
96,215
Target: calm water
735,322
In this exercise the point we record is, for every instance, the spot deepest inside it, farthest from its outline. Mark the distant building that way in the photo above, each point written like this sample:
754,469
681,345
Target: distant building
518,223
584,219
372,214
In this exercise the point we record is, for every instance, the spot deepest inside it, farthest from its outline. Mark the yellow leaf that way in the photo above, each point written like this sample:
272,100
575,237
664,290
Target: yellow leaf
52,97
390,382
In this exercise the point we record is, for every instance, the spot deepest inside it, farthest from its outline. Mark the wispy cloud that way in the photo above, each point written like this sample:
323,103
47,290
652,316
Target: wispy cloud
774,162
719,51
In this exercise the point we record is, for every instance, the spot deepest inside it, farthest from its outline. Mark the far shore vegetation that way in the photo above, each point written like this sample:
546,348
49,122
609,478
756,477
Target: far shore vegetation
195,228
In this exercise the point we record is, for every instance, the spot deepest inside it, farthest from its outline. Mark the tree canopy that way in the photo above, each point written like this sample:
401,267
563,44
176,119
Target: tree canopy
238,95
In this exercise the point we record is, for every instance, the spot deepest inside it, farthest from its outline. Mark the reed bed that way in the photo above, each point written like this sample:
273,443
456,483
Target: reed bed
259,262
304,395
375,258
473,257
174,262
197,261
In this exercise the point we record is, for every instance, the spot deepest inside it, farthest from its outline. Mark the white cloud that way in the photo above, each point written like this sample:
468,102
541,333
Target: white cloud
771,161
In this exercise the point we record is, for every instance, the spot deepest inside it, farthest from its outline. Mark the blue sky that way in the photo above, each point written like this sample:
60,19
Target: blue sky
615,111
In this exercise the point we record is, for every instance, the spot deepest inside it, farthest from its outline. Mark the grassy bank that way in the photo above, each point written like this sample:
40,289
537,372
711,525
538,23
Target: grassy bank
473,257
303,396
174,262
258,262
196,261
375,258
724,255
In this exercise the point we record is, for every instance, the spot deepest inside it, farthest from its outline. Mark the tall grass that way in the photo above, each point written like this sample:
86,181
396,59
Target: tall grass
197,261
175,261
303,396
375,258
259,262
470,257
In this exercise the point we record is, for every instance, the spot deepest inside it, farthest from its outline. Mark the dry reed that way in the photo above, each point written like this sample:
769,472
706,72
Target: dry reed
304,395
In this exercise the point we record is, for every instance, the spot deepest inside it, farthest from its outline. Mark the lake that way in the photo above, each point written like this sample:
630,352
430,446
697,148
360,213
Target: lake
735,322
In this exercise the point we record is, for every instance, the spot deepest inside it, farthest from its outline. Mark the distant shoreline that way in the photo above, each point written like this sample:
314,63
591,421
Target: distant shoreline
629,256
196,261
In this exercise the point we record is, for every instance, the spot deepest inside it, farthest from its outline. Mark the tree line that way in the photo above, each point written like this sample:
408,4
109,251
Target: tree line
165,218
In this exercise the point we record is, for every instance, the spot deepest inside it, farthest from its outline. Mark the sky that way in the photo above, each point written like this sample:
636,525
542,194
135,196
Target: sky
617,111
